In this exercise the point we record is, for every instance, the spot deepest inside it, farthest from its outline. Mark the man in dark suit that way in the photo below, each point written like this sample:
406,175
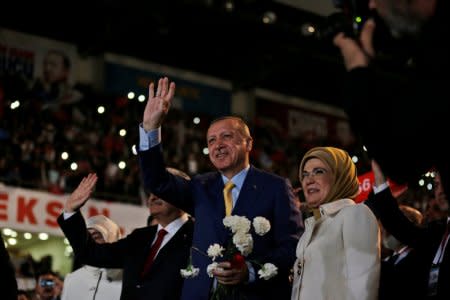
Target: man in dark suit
429,242
160,280
255,193
402,275
8,283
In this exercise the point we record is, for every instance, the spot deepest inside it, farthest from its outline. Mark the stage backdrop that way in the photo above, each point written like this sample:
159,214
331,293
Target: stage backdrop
195,92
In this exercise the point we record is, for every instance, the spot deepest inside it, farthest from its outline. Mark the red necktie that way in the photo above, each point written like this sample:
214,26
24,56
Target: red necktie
153,251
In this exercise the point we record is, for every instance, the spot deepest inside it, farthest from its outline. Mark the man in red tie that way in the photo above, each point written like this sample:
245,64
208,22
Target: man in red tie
429,241
151,257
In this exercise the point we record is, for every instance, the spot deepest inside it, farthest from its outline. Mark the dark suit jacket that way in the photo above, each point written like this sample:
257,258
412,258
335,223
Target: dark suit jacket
8,283
425,240
262,194
404,280
163,281
397,105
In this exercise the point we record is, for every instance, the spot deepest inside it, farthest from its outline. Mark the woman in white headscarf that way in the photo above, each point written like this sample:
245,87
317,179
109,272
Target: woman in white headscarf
338,255
90,282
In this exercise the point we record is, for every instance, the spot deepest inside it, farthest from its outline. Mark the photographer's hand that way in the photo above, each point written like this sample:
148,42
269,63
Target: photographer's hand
357,54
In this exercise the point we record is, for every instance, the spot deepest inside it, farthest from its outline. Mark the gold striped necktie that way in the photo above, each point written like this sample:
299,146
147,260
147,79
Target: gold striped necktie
228,198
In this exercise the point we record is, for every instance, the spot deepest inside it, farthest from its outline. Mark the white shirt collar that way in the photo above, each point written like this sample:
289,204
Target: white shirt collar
238,179
175,225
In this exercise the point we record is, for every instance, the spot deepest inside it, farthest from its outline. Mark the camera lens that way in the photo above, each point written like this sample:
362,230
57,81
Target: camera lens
46,283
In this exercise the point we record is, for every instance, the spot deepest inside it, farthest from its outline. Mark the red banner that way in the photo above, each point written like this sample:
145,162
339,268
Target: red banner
366,183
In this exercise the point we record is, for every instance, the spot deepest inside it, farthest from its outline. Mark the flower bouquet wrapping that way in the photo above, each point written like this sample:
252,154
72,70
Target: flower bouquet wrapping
235,252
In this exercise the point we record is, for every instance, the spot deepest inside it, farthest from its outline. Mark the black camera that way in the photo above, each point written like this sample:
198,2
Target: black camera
349,20
46,283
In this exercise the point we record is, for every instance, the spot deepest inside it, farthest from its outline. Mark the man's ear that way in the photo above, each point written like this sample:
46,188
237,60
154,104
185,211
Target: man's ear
249,144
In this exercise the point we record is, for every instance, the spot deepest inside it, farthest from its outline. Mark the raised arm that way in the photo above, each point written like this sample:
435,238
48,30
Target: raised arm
81,194
158,103
391,216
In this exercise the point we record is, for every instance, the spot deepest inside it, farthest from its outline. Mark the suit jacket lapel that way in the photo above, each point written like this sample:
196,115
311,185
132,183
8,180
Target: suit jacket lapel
174,244
248,194
147,239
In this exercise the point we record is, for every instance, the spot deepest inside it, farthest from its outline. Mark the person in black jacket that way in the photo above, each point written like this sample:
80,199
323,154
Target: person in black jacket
8,283
402,274
397,86
160,281
430,242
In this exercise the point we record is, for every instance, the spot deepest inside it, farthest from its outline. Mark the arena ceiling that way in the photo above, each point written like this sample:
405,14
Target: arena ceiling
207,36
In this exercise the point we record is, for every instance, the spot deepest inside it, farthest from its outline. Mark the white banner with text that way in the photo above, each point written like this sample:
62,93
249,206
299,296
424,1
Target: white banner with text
35,211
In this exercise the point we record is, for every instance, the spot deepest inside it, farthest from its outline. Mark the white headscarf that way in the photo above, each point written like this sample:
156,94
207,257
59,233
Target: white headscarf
107,228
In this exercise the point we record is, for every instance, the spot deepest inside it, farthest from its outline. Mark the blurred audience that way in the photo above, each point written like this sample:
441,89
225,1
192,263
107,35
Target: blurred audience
23,295
39,152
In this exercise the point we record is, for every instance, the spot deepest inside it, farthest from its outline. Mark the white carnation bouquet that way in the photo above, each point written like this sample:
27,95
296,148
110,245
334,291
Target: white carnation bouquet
240,246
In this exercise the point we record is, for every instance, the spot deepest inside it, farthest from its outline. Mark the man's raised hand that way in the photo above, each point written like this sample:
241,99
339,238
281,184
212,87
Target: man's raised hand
81,194
158,103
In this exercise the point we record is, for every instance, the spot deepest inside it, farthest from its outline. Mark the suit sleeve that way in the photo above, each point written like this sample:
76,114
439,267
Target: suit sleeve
362,252
171,188
395,221
108,255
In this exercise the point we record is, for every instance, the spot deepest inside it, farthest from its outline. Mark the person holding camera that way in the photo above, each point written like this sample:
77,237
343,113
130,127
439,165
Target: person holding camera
48,286
396,88
399,107
400,100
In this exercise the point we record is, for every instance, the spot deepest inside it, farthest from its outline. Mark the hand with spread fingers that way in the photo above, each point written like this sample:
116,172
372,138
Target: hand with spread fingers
158,103
81,194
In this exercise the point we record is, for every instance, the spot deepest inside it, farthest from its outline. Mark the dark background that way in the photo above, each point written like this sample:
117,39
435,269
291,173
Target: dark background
200,35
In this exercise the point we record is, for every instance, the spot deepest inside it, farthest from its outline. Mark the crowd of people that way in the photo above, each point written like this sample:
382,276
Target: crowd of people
329,249
32,147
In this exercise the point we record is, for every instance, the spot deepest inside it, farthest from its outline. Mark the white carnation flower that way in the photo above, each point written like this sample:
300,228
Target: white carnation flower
261,225
237,224
215,250
189,272
211,267
243,242
268,271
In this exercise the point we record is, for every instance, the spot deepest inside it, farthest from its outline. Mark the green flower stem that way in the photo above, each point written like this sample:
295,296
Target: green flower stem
199,251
